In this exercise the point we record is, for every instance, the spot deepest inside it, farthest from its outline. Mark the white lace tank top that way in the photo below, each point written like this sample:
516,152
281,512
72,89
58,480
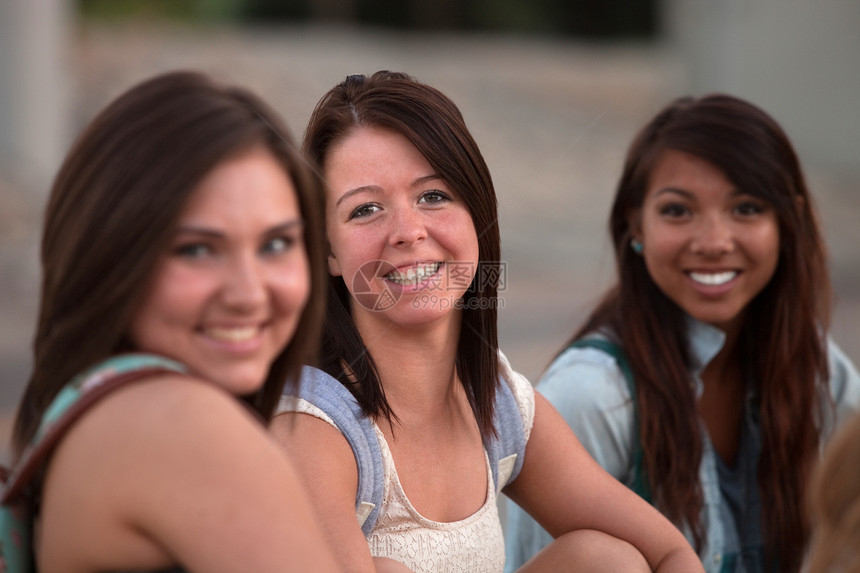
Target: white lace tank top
472,545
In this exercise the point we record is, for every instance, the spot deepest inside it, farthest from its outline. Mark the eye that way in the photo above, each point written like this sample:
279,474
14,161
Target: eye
750,208
192,250
674,210
434,196
279,244
363,210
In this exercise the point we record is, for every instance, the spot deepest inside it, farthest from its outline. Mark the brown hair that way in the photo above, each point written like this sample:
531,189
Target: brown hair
835,504
782,343
111,212
434,125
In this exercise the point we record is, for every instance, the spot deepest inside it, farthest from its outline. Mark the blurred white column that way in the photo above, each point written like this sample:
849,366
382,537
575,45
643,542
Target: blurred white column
34,89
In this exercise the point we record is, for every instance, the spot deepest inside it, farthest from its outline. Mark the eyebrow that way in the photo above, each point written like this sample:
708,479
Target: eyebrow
351,192
215,234
735,192
377,189
675,190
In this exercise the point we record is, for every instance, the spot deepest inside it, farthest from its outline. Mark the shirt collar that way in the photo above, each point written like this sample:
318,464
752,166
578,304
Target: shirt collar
706,341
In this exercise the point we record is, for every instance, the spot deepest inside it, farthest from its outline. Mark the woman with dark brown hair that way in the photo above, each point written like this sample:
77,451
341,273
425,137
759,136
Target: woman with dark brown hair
705,379
183,268
415,422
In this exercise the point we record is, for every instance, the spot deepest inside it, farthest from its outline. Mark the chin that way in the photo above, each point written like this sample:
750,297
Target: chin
240,384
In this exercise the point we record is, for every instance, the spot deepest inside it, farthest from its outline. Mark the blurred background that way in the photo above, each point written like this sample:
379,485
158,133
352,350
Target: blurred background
553,91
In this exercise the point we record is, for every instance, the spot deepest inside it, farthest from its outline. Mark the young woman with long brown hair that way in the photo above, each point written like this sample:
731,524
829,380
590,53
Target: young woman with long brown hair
413,398
705,379
182,255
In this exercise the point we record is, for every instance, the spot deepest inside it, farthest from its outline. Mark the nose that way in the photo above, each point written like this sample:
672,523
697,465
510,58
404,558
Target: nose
713,236
407,227
245,284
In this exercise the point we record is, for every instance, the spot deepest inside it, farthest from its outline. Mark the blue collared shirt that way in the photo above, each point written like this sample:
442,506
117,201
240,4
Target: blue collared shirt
588,389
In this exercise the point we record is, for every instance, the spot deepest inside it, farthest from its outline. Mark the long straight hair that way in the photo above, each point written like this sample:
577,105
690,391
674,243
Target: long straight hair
782,343
435,126
112,212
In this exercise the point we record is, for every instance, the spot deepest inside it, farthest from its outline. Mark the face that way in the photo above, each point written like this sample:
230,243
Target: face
708,246
401,238
227,295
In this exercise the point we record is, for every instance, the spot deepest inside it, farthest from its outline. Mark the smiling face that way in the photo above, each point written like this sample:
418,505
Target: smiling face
227,296
708,246
401,238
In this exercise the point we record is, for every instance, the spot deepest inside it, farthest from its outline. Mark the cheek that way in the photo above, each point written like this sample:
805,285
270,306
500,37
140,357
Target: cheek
352,249
293,285
171,301
662,248
765,245
461,234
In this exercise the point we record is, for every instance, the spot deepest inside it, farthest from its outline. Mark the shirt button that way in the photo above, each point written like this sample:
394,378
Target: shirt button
718,558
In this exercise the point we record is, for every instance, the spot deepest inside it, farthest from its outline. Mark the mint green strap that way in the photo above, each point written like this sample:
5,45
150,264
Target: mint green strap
640,476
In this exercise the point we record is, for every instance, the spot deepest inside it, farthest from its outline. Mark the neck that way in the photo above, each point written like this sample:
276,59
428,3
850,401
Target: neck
724,367
416,365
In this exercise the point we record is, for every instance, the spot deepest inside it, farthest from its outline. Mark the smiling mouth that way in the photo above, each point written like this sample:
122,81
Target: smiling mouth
232,334
413,275
713,279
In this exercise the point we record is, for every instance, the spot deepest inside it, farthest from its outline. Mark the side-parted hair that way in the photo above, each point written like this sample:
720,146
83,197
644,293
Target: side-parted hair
783,340
835,504
435,126
112,213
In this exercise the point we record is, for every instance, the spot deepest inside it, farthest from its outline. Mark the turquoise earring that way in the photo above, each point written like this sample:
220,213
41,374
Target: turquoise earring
636,246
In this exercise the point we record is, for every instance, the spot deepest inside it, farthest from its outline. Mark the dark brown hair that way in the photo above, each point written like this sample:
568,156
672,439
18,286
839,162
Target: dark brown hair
835,504
112,211
782,342
434,125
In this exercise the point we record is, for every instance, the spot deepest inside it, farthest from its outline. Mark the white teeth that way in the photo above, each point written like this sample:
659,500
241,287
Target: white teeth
413,275
713,279
232,334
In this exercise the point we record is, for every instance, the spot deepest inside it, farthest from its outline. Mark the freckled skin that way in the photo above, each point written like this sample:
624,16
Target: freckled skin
385,203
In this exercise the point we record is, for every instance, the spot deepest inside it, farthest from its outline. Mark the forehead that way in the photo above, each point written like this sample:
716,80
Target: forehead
251,184
682,171
366,141
370,156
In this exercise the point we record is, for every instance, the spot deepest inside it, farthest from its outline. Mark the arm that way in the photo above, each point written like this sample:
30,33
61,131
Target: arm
175,471
589,498
327,467
587,388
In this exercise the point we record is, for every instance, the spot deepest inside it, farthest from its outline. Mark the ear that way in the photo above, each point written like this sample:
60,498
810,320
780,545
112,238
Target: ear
799,203
333,266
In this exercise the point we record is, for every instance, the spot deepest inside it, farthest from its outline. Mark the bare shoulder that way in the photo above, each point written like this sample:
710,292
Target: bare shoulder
315,445
159,428
293,428
173,468
327,467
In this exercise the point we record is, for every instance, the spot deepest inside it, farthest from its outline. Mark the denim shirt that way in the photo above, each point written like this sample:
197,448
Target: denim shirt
588,389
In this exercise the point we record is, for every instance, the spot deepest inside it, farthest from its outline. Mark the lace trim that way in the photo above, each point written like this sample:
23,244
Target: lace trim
472,545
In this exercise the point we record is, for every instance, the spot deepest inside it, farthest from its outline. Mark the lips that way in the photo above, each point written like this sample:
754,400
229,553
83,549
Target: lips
713,279
413,275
